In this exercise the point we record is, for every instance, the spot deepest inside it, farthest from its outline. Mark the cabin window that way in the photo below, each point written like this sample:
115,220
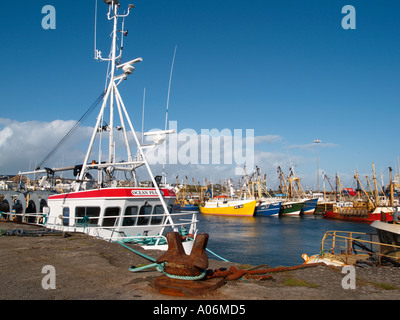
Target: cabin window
92,212
157,216
144,215
65,216
128,219
110,216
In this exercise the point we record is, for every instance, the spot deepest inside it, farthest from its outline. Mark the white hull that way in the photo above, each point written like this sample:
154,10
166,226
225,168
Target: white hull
120,214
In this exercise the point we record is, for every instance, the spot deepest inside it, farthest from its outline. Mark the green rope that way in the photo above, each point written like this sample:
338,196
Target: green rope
189,278
149,266
84,221
137,252
160,267
145,241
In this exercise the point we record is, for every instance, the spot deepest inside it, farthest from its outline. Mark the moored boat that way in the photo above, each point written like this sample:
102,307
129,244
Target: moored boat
360,214
102,207
292,194
323,206
268,208
186,207
223,207
309,206
183,201
291,208
368,207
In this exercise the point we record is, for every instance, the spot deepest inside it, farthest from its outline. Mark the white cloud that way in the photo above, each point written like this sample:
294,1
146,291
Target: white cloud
24,144
312,146
267,139
4,135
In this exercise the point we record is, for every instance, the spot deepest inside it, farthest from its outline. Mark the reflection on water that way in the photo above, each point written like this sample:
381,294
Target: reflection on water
273,240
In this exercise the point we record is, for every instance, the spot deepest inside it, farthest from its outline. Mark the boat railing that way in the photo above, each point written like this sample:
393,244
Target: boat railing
183,221
350,246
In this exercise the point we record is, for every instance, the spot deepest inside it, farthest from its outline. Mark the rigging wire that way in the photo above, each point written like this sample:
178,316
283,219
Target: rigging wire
72,130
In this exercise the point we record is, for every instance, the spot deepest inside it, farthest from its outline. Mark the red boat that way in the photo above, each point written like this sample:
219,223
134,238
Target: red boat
349,191
360,215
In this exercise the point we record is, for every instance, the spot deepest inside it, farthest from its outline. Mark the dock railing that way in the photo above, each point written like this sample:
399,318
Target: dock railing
117,231
352,246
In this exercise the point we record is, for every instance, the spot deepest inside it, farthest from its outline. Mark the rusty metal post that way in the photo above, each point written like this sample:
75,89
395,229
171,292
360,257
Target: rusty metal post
177,262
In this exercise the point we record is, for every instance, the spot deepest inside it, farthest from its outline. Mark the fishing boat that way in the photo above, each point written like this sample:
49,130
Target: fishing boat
327,200
185,207
309,206
103,207
185,201
291,208
360,213
366,207
233,205
268,208
266,205
292,196
229,207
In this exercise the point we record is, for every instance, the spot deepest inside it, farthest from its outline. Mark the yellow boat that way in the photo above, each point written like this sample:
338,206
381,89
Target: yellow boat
224,207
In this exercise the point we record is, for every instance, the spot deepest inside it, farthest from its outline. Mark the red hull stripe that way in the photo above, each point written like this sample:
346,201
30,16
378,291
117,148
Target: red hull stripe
114,193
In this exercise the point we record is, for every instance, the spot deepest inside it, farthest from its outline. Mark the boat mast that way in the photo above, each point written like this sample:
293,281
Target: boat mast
363,190
115,98
377,201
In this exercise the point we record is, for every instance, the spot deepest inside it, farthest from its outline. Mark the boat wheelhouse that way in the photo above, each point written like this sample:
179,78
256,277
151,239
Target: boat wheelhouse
118,214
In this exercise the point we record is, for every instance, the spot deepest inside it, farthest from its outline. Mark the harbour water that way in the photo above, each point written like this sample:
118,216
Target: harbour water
275,241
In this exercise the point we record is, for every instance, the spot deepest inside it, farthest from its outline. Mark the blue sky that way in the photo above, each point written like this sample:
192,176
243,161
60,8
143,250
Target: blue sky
286,69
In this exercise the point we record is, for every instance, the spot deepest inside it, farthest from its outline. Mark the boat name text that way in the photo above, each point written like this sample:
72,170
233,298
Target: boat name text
145,192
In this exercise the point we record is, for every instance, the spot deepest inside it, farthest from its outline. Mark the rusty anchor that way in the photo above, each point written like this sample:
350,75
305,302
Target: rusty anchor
178,263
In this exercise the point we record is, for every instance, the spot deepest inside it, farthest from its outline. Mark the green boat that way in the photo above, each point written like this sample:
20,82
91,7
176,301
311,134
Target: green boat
291,208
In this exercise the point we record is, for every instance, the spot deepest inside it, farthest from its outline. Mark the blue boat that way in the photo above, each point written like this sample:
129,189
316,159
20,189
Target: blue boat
186,207
267,208
309,206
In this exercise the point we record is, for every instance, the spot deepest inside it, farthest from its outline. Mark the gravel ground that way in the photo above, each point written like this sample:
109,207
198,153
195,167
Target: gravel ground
92,269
